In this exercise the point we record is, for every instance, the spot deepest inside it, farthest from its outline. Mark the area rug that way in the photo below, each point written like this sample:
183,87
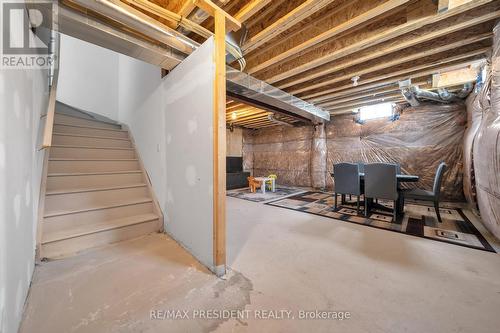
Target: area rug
418,220
281,192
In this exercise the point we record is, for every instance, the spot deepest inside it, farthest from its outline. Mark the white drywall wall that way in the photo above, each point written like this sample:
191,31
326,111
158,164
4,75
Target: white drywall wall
23,97
171,121
88,77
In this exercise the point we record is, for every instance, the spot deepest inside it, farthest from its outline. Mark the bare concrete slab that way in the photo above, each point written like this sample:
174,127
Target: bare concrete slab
282,262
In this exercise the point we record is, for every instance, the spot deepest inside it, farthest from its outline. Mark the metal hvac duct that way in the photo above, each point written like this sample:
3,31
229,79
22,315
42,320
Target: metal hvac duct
74,23
84,27
414,94
139,21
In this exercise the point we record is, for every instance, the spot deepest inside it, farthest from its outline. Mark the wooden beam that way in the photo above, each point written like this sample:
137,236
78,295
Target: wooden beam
219,145
406,73
187,7
444,5
373,102
250,9
375,40
165,14
251,116
395,62
369,93
380,99
456,77
394,48
298,14
208,6
335,31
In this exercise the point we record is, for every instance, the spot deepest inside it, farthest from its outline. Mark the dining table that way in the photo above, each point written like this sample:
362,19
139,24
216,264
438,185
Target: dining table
401,178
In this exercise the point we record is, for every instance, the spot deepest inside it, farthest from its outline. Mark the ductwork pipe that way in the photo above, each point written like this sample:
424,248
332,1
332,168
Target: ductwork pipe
414,94
139,21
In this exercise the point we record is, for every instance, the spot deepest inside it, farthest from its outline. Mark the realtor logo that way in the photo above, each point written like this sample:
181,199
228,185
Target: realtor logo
26,34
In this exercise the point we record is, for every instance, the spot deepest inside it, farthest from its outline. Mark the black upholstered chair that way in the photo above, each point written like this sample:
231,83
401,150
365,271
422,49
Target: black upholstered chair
381,183
347,180
419,194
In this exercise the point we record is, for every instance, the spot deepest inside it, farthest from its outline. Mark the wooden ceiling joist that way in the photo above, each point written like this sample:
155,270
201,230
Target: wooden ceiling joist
413,41
396,61
250,9
375,40
394,77
298,14
371,93
335,31
349,109
379,99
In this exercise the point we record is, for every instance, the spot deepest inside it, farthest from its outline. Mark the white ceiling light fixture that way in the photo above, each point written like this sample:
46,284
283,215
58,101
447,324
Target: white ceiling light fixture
234,116
354,80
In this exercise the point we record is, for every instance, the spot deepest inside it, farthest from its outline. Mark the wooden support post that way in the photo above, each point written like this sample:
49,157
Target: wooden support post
219,143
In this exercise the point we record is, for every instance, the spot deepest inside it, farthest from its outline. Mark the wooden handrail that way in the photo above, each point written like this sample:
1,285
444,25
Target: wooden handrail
49,116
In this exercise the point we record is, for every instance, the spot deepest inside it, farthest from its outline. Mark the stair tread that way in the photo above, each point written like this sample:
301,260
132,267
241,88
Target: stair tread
91,159
121,203
90,119
59,174
94,189
91,136
91,147
93,127
92,228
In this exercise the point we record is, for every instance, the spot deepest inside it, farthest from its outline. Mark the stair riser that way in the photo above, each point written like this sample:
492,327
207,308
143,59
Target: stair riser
89,200
92,166
89,131
91,142
89,181
67,222
67,120
58,152
73,245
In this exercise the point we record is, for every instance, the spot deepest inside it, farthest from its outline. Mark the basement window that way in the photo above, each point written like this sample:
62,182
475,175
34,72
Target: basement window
384,110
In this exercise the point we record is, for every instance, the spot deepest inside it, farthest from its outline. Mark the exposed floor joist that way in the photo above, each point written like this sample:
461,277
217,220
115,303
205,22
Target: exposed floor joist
313,48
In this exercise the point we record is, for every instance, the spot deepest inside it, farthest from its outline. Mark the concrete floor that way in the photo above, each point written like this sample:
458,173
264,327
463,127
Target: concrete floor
280,260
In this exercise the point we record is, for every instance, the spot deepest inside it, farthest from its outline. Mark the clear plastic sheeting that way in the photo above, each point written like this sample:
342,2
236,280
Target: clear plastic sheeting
486,151
281,150
318,157
419,140
475,104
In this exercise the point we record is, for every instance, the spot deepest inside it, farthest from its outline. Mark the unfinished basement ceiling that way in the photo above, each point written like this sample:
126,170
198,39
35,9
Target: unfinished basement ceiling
312,49
245,115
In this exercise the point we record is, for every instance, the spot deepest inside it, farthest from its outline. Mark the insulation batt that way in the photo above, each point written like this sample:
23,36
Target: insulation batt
475,104
486,150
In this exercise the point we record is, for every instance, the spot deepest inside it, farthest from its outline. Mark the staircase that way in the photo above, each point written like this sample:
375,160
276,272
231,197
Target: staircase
96,190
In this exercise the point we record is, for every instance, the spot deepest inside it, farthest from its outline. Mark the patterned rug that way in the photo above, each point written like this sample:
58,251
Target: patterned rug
281,192
418,220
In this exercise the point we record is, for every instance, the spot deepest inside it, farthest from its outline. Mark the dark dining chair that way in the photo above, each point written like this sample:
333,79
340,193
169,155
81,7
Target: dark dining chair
381,183
425,195
347,180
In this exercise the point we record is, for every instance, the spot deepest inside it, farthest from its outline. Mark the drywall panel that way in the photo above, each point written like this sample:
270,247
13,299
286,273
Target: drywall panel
23,97
188,98
171,122
88,77
140,103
